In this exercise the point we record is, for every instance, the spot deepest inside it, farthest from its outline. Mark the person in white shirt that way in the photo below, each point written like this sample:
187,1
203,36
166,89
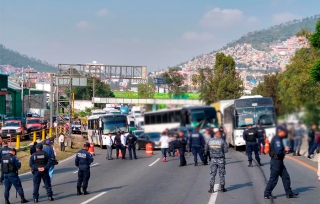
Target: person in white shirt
123,145
61,141
109,146
164,144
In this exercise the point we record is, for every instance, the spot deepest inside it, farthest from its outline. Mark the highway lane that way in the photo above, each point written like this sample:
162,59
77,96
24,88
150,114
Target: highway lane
135,181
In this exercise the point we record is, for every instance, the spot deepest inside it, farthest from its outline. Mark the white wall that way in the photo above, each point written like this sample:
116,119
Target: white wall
82,104
43,86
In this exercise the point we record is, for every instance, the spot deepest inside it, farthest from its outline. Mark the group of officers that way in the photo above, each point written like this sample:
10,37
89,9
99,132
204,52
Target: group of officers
40,163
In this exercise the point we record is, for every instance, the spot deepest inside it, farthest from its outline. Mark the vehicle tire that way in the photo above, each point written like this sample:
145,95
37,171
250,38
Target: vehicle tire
138,146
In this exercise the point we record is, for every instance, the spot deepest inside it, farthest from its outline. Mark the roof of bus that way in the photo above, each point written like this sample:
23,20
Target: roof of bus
176,109
98,116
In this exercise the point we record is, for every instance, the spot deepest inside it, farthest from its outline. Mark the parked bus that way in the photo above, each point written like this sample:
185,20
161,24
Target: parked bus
98,112
158,121
100,125
249,110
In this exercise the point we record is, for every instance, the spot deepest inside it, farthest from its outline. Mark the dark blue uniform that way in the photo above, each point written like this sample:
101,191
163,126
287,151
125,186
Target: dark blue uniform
38,160
131,141
277,167
181,143
10,165
251,136
83,161
117,142
261,134
197,145
3,151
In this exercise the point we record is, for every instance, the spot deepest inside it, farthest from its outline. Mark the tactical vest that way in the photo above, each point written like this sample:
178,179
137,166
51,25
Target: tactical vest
215,148
251,135
273,155
260,132
5,151
8,166
130,139
40,159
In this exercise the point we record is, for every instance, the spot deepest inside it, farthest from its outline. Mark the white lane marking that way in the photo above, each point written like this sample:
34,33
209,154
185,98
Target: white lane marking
154,162
214,195
95,197
90,166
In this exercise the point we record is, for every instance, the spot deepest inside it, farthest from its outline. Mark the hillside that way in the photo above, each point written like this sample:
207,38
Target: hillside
15,59
262,39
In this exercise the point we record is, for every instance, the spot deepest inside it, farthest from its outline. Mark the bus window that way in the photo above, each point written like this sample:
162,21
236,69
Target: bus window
164,117
177,116
152,119
147,119
158,118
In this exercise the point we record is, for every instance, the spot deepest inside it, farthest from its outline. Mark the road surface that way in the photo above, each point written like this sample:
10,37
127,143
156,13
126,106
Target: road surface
149,180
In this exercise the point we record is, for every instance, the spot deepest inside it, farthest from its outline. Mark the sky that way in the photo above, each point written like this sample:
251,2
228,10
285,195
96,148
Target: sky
152,33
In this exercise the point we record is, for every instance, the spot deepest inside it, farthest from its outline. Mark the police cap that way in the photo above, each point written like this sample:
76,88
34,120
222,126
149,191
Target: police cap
39,146
86,144
13,150
281,128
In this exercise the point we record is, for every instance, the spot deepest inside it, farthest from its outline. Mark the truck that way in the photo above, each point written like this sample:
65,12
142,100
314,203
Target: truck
13,128
76,127
43,113
124,110
220,106
139,122
136,111
33,124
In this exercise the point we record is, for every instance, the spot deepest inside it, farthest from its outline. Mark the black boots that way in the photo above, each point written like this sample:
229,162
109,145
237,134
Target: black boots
211,190
250,164
50,198
23,200
260,164
79,191
85,192
195,164
293,195
7,201
223,189
296,154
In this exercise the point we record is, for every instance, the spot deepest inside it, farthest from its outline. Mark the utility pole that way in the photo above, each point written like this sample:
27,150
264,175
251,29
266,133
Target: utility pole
51,99
22,96
29,87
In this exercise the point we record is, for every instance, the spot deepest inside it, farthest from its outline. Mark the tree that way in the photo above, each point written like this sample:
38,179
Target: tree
86,93
269,88
175,81
146,90
220,83
315,43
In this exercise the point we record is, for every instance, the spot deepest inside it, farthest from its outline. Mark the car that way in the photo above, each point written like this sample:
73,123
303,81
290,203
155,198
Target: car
150,137
137,133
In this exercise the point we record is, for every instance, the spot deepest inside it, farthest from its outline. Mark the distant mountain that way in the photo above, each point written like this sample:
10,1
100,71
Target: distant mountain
15,59
262,39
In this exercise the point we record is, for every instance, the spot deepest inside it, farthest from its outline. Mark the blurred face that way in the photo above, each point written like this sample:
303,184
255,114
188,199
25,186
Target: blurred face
207,132
313,127
180,133
249,127
217,134
281,133
13,152
197,129
300,123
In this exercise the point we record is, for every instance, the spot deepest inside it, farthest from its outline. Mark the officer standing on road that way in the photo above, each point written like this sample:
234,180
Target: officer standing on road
11,165
4,150
261,137
131,141
207,137
40,164
197,144
250,136
117,142
223,134
181,143
217,148
277,167
83,161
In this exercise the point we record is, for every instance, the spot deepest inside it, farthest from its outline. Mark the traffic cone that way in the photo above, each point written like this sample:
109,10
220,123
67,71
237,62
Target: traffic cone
178,152
120,153
267,146
149,149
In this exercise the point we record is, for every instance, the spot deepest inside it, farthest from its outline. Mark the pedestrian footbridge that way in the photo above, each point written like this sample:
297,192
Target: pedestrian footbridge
153,101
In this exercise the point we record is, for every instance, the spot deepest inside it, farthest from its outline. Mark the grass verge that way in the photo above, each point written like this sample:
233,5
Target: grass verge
77,142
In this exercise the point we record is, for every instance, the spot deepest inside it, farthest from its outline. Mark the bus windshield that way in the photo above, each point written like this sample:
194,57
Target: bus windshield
114,124
263,115
204,118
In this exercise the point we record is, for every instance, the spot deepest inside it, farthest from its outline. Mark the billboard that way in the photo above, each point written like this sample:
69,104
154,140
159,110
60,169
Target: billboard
159,81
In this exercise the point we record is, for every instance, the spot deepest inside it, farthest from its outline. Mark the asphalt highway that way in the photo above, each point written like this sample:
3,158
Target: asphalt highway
149,180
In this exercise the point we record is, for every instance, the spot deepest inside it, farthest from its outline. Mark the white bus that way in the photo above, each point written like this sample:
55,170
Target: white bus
100,125
248,110
158,121
98,112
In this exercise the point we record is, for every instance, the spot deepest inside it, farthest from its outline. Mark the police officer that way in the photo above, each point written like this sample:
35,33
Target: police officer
40,164
261,137
11,164
277,167
217,148
117,142
223,134
4,150
250,136
83,161
207,137
131,141
181,143
197,144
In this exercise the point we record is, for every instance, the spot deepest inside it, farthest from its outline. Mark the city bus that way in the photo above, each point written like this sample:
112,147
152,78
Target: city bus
158,121
249,110
100,125
98,112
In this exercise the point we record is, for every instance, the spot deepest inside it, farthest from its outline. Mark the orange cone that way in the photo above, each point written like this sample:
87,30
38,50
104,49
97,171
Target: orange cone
267,146
149,149
120,153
